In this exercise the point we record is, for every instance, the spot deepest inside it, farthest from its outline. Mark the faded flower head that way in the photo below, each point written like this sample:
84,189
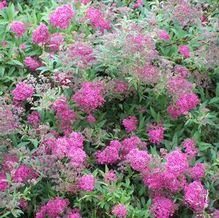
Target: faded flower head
119,210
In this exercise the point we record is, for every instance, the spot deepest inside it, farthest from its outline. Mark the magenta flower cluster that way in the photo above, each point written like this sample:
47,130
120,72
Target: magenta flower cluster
90,96
119,211
130,124
97,20
62,16
18,28
22,92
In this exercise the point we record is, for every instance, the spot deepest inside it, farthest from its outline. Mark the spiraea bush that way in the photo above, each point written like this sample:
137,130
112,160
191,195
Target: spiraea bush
109,109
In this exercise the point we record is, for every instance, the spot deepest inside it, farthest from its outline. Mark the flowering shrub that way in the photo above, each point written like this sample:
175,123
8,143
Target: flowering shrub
109,109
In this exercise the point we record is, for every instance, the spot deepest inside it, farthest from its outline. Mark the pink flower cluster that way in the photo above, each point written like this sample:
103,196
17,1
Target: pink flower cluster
178,85
181,71
3,4
71,147
169,177
91,118
85,2
110,176
138,4
32,63
53,208
176,162
110,154
86,183
139,160
163,34
130,124
22,92
62,16
9,162
65,115
8,120
190,147
197,172
196,196
89,97
184,104
155,134
121,86
3,182
184,51
40,35
129,144
55,41
18,28
149,74
34,118
97,20
73,214
162,207
23,173
119,211
116,151
81,53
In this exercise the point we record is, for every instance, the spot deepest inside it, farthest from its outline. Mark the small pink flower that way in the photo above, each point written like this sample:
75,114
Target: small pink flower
184,51
139,160
85,2
121,86
32,63
119,211
130,124
18,28
22,92
3,4
55,41
87,183
23,46
198,171
162,207
182,71
73,214
110,154
24,173
62,16
110,176
196,196
149,74
34,118
190,147
97,20
3,182
138,4
41,34
90,96
163,34
9,162
156,134
23,204
176,162
53,208
91,119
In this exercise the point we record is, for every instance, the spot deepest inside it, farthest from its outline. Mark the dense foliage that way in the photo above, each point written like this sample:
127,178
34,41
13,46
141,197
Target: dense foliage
109,108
